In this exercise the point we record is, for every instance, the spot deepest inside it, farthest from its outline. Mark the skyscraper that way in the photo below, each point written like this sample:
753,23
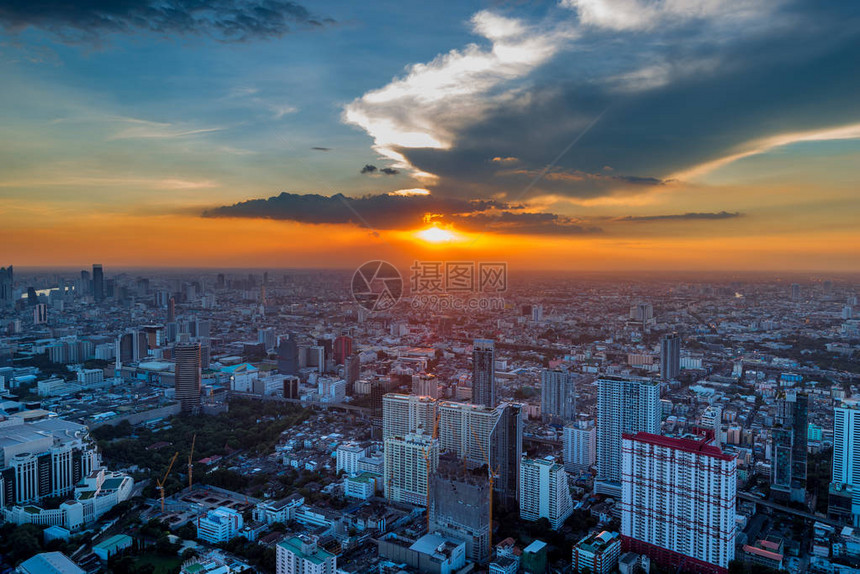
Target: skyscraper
131,347
670,357
624,405
409,462
406,414
484,373
460,508
98,282
544,491
506,453
789,440
557,395
342,349
288,355
580,446
678,502
7,278
188,375
171,309
845,484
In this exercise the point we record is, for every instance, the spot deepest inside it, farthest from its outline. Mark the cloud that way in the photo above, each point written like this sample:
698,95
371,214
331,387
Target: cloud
639,15
372,169
683,217
320,148
764,145
432,102
402,210
143,129
224,20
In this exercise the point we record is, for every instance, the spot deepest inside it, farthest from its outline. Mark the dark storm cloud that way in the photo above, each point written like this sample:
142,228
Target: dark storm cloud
668,103
226,20
389,211
389,171
682,217
368,169
372,169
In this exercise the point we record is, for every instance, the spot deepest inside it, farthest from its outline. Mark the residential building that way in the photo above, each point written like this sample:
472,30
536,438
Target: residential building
598,553
678,502
544,492
219,525
302,555
579,441
484,372
558,395
409,462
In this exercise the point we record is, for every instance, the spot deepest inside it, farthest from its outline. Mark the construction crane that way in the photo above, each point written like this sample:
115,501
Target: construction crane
163,480
190,463
492,476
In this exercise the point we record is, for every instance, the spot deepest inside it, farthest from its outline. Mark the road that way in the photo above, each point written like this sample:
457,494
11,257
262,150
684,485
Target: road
788,510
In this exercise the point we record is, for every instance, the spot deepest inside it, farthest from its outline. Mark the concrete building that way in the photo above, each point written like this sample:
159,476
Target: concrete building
544,492
789,438
670,357
49,563
409,462
283,510
302,555
580,446
460,509
430,554
484,372
188,375
557,395
678,502
219,525
624,405
406,414
348,455
598,552
845,482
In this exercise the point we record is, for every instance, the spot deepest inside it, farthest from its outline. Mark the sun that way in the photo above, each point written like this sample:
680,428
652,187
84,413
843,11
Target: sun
437,235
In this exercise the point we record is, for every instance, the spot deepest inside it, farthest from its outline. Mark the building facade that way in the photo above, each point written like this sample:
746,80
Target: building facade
484,372
678,502
544,492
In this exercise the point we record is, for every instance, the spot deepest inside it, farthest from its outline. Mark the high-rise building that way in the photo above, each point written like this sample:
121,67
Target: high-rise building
460,508
131,347
98,282
475,433
845,481
43,458
352,372
288,355
624,405
188,375
544,492
171,309
557,395
40,314
678,502
789,447
425,385
795,292
712,419
7,278
407,414
580,446
670,357
484,373
301,555
409,462
342,349
219,525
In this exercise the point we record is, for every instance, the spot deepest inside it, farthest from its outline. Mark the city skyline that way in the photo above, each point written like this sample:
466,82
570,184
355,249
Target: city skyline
584,134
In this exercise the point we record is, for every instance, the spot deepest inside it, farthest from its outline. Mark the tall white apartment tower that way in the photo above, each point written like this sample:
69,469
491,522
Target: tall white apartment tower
678,502
409,462
580,446
544,492
405,414
624,405
845,484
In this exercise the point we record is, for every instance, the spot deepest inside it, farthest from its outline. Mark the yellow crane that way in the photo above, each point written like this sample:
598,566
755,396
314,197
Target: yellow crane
190,461
163,480
492,475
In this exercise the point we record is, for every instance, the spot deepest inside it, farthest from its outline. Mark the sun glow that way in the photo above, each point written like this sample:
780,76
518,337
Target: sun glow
437,235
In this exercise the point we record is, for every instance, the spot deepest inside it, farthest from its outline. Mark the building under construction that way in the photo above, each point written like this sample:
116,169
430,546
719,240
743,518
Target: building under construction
460,507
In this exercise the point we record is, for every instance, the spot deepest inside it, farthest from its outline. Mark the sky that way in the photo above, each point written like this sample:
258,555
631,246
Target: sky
569,134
